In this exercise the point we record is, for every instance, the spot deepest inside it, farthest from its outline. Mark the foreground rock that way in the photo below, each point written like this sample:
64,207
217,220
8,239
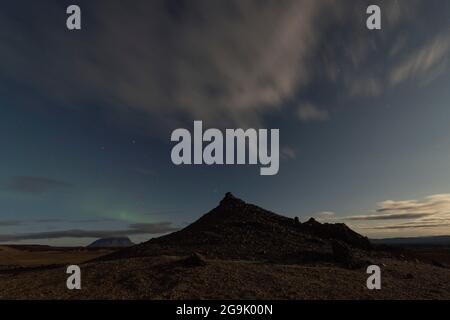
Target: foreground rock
195,260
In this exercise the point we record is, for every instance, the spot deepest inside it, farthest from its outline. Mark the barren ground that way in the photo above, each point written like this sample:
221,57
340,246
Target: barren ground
168,277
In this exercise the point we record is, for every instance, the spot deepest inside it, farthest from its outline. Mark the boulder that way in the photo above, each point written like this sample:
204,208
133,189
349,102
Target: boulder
195,260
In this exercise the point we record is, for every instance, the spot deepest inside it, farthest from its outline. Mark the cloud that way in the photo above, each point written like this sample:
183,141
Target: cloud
433,204
308,112
432,212
365,64
388,216
224,62
288,153
48,220
9,223
134,229
34,185
215,61
95,220
425,62
406,61
367,87
153,228
402,226
326,214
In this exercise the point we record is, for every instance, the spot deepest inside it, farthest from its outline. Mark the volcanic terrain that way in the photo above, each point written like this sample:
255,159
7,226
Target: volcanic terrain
240,251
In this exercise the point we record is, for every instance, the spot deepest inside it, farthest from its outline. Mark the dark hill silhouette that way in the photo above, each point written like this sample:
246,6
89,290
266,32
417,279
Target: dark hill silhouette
241,231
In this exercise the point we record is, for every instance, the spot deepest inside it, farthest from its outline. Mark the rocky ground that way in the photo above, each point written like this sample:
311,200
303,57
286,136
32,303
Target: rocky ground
167,277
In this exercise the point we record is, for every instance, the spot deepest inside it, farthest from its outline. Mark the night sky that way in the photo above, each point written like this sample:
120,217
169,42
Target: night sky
86,116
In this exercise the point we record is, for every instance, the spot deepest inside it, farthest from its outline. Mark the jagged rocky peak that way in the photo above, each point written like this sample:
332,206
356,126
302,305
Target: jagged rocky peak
231,200
312,222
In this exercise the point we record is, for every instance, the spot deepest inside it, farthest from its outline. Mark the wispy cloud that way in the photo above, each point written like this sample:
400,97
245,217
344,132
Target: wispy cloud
217,61
51,220
288,153
406,226
308,112
225,62
326,216
425,62
388,216
365,86
10,223
432,212
134,229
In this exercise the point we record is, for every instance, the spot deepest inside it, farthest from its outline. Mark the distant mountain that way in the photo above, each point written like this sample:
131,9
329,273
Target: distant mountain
112,242
240,231
433,240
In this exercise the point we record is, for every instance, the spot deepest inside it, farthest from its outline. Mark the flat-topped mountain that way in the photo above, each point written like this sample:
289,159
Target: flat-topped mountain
241,231
115,242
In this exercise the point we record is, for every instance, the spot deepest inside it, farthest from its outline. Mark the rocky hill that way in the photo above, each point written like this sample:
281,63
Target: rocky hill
240,231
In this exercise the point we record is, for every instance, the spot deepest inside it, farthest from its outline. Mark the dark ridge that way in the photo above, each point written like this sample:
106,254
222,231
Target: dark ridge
238,230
